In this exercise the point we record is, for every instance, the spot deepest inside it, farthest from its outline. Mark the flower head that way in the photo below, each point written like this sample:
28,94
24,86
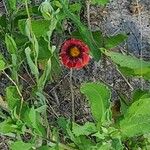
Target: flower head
74,54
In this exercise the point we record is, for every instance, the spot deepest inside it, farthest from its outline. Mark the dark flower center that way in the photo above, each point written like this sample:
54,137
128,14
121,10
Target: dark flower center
74,51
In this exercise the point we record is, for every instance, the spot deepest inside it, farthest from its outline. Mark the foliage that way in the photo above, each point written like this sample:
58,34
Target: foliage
28,32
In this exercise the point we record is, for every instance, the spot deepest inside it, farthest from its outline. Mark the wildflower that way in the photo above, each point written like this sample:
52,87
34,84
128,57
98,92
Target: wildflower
74,54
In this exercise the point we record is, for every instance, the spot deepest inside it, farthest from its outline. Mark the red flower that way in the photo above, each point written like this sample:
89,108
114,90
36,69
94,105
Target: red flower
74,54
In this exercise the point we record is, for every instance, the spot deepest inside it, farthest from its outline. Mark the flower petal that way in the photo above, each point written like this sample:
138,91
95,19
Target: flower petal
79,61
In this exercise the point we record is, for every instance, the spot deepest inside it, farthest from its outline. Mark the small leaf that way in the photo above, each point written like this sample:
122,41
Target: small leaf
114,41
20,144
86,129
99,98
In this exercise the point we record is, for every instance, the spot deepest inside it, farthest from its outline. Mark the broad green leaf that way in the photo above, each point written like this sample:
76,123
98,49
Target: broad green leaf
2,62
33,67
86,129
21,145
99,98
130,65
84,32
114,41
100,2
10,44
12,97
137,119
39,27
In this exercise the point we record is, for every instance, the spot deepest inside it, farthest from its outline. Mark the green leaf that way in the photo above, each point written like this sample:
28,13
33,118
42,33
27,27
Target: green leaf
39,27
140,94
8,126
86,129
130,65
46,148
76,7
42,80
137,119
3,21
2,62
20,144
99,98
124,101
104,146
100,2
12,97
56,69
33,68
114,41
12,4
33,120
44,52
10,44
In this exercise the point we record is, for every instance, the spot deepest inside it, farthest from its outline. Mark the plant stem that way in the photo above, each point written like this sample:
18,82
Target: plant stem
88,13
72,96
18,90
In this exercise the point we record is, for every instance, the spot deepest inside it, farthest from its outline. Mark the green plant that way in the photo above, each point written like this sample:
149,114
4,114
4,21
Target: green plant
27,32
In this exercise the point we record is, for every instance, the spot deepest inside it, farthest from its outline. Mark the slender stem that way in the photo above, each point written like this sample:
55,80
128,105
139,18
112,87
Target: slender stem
141,38
72,96
88,13
18,90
